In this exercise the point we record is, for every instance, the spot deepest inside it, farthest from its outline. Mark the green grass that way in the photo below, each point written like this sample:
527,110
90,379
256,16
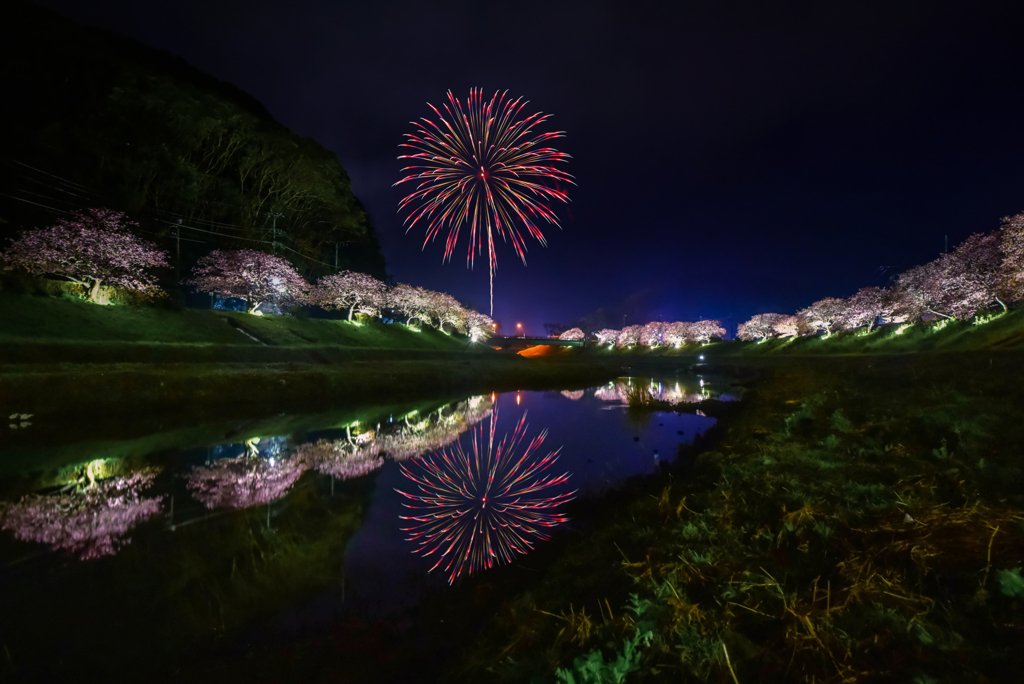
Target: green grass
851,518
51,320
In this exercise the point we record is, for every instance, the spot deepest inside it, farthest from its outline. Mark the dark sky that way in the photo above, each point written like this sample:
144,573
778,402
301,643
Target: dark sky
731,158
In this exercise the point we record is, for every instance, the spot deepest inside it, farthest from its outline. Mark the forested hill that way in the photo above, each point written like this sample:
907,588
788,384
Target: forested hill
90,118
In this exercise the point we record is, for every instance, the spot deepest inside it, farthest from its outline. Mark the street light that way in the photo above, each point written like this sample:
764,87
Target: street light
519,328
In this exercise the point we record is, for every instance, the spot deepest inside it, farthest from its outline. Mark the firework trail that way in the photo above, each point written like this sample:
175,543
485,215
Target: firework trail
478,508
485,167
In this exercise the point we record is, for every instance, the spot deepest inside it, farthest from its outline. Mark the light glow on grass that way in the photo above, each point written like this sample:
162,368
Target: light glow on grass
900,330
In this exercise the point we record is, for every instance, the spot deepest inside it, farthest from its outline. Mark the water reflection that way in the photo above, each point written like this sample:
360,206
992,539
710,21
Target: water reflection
474,509
421,434
245,481
671,393
87,522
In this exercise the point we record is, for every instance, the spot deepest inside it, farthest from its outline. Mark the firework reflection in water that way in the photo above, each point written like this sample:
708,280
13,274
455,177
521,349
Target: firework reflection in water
478,508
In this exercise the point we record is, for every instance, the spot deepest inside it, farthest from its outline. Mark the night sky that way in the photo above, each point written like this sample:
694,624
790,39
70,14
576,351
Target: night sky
731,158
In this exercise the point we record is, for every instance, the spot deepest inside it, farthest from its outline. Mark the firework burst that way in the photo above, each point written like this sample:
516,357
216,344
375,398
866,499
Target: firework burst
483,166
478,508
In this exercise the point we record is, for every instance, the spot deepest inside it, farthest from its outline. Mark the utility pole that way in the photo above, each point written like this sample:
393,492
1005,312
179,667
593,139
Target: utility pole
273,229
177,234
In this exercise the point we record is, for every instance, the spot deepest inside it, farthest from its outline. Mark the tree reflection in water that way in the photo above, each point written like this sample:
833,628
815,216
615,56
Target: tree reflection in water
244,481
436,430
670,393
474,509
89,522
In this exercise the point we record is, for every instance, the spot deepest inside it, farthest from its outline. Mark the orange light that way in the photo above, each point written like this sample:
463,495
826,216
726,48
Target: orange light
519,325
518,399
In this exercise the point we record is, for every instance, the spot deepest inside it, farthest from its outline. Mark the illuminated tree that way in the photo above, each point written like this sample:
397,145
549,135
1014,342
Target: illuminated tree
607,336
629,336
88,523
447,309
480,327
572,334
760,327
787,326
1011,282
704,331
254,277
415,303
864,307
352,291
94,247
677,333
652,333
825,314
970,276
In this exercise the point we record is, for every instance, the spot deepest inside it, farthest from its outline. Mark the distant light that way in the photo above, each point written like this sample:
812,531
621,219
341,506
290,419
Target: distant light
272,461
519,325
701,357
519,399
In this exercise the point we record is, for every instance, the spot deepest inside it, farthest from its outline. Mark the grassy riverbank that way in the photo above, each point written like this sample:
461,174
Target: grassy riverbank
854,519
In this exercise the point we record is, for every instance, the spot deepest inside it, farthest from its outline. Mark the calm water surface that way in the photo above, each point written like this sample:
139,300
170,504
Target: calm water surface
165,540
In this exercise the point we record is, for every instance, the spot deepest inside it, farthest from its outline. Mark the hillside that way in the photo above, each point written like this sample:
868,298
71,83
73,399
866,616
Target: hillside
95,119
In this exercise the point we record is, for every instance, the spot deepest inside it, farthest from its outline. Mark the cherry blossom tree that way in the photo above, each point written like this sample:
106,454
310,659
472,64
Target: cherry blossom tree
352,291
787,326
415,303
759,327
703,331
252,276
1011,280
652,334
971,276
572,334
825,314
607,336
244,481
677,333
480,327
865,307
629,336
447,309
87,523
574,395
94,247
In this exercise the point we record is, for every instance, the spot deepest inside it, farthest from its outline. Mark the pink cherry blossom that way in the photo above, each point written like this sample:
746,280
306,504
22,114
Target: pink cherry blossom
572,334
479,326
352,291
827,315
94,247
865,307
607,336
1011,280
341,458
677,333
252,276
703,331
629,336
88,523
652,334
760,327
787,326
244,481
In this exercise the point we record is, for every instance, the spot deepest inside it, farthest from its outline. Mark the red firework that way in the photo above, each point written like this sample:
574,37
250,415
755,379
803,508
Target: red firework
485,167
475,509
